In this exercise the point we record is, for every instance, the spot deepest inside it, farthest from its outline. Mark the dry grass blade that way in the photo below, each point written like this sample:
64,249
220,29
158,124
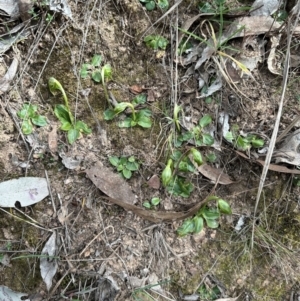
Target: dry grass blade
275,131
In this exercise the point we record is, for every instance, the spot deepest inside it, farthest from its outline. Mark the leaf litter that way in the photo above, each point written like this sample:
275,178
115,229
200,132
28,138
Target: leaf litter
129,197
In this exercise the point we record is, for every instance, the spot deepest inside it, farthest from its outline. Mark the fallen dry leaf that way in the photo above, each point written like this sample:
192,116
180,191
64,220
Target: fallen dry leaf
274,167
154,182
111,183
52,139
151,96
119,193
217,175
136,89
8,77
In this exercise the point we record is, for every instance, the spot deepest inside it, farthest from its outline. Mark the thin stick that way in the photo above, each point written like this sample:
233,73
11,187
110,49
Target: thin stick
275,131
50,192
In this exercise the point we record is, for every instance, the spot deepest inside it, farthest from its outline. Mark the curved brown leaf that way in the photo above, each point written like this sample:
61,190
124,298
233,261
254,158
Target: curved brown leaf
119,193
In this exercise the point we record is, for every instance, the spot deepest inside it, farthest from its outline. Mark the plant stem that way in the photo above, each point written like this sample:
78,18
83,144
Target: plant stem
104,85
133,111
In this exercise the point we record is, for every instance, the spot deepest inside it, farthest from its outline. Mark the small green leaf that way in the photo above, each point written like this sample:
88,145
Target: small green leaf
229,136
197,156
107,72
73,135
126,123
114,160
224,207
96,60
66,126
39,120
139,99
144,122
27,111
199,224
187,227
147,205
144,113
210,213
207,139
156,41
163,4
180,187
96,76
211,157
150,5
126,173
27,127
121,106
186,165
212,223
166,175
155,201
257,142
82,127
205,120
242,143
133,166
84,71
109,114
131,159
62,113
120,167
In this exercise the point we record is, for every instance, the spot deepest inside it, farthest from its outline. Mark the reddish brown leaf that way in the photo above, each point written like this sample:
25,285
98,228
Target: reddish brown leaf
154,182
151,96
136,89
120,194
274,167
52,139
217,175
